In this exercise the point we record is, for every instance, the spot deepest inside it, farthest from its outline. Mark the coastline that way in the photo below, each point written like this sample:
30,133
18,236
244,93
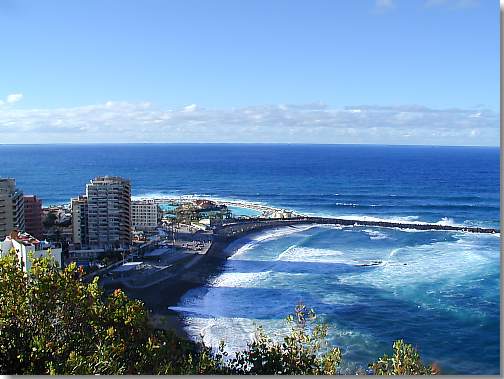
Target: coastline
168,292
197,271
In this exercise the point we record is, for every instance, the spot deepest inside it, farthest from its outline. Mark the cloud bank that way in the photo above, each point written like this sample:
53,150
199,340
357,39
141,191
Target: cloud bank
298,123
11,99
384,5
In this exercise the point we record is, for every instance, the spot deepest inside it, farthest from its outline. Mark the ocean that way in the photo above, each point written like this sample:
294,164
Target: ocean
437,290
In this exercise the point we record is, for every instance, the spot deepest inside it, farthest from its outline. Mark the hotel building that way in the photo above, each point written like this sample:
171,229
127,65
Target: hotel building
11,207
144,214
102,218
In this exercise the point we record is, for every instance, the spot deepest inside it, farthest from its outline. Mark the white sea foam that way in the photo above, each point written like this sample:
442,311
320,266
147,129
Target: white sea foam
393,252
331,226
317,255
304,254
430,263
242,245
235,331
177,196
154,195
411,219
399,220
446,221
241,279
431,279
375,234
258,205
354,205
340,297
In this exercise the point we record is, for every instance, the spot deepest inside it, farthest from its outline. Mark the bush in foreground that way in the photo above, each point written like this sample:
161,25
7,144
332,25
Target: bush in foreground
51,322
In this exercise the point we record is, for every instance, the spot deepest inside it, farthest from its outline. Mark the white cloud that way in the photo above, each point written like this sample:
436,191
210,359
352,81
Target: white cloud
14,98
384,4
452,3
190,108
310,123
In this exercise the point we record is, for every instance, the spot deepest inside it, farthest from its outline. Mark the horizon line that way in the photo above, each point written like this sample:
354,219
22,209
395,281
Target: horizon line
241,143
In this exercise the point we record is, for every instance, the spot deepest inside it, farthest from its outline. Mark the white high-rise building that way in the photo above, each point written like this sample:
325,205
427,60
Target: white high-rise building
11,207
109,212
144,214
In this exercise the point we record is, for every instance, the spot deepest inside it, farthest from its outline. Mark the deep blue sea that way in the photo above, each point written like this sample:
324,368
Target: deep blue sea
437,290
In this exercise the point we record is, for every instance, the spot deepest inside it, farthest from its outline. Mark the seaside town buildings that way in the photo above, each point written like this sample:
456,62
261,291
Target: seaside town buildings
145,214
79,209
57,222
11,207
102,218
200,210
280,213
99,221
27,246
33,216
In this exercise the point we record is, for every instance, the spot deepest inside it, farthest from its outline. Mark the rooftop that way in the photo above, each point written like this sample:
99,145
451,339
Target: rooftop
27,239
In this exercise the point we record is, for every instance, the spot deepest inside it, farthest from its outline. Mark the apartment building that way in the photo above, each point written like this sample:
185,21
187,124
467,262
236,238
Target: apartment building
79,210
11,207
33,216
144,214
27,246
108,212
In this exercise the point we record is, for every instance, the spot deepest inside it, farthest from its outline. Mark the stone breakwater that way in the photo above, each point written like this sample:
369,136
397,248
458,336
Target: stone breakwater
231,228
259,223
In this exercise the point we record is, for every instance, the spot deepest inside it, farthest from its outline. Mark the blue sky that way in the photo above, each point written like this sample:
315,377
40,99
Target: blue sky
355,71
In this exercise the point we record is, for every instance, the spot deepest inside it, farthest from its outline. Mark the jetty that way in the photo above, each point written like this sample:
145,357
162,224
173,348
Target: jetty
231,227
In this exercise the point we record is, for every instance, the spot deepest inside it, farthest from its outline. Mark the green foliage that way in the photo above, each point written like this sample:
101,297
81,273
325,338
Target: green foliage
304,351
51,322
49,220
404,361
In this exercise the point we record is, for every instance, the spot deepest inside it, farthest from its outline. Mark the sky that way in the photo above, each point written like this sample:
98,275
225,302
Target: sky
257,71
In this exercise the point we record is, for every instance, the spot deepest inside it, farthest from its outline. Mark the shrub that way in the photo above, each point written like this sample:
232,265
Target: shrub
304,351
51,322
405,360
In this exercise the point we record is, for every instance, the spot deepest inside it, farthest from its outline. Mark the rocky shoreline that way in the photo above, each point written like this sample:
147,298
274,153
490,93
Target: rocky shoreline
197,271
168,292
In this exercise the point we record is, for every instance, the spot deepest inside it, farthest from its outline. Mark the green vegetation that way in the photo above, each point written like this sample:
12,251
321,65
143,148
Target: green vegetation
51,322
302,352
404,361
49,220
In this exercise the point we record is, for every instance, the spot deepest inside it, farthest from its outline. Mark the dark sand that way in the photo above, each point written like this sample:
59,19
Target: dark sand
168,292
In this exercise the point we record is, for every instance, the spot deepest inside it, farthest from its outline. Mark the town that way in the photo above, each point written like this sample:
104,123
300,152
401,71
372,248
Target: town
135,243
105,230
